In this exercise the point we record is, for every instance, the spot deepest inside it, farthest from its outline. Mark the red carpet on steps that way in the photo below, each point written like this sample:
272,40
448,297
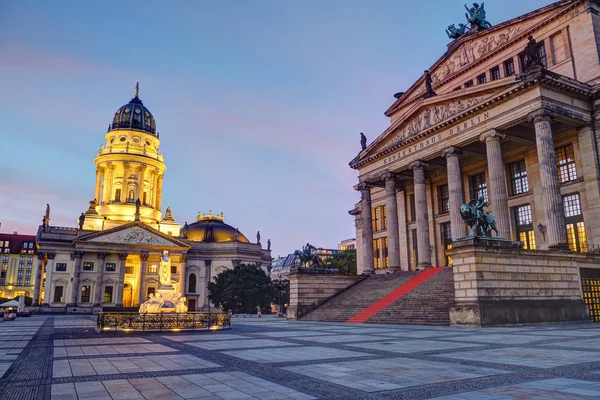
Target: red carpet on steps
394,295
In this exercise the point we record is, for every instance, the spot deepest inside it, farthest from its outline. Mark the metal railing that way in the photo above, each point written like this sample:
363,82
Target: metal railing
131,321
127,150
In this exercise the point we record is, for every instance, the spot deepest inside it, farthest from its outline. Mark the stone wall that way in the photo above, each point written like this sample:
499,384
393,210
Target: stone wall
309,290
497,284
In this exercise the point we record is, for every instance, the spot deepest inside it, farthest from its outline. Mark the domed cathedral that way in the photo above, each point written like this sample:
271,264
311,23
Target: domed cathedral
111,259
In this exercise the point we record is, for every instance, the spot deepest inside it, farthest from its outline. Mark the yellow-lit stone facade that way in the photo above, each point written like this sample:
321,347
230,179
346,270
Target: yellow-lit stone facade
110,259
18,265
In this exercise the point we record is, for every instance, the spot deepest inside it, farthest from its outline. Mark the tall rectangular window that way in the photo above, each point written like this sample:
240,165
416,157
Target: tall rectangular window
378,215
524,224
414,249
384,252
481,79
58,294
173,269
509,67
129,270
565,161
118,194
376,254
110,267
446,233
413,209
150,290
443,199
479,186
495,73
85,294
108,294
88,266
375,218
517,173
575,226
152,269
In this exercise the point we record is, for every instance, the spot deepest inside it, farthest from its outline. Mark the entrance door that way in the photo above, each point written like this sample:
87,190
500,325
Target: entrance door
192,305
127,295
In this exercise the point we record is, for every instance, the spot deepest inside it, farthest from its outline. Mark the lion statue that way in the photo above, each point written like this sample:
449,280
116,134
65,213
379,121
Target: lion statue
481,223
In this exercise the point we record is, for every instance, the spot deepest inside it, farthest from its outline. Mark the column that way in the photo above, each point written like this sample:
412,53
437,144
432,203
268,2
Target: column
205,302
455,190
367,229
555,215
497,181
403,235
47,271
393,232
98,300
124,183
97,188
159,192
154,187
121,284
142,278
38,279
77,256
142,184
108,182
423,243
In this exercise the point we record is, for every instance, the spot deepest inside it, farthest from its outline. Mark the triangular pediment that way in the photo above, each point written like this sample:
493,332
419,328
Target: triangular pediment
133,234
473,48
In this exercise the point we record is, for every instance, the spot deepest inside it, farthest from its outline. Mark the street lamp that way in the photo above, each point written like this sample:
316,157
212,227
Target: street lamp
280,285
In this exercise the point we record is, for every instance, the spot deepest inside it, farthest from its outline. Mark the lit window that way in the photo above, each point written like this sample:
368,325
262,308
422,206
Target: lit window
129,270
376,255
518,177
85,294
384,252
58,294
576,235
479,187
152,269
443,199
108,294
565,161
110,267
524,224
88,266
446,231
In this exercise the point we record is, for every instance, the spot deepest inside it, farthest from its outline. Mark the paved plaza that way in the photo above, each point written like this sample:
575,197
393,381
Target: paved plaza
61,357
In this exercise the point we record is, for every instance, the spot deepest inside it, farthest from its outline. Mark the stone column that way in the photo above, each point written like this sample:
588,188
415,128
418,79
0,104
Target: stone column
499,198
367,229
121,283
403,235
124,182
98,182
555,215
142,278
159,192
108,182
423,243
154,187
48,266
455,191
38,279
205,302
142,184
77,256
393,232
98,300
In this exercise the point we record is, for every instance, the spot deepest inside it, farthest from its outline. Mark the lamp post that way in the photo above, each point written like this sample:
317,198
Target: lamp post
280,285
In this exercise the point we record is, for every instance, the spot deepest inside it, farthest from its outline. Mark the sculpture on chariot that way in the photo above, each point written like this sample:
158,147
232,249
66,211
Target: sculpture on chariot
475,16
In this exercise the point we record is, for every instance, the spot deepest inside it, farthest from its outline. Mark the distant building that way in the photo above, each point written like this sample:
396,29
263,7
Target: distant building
348,244
282,265
277,268
17,267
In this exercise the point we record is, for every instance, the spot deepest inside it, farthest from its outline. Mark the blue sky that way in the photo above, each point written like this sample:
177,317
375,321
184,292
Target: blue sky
259,103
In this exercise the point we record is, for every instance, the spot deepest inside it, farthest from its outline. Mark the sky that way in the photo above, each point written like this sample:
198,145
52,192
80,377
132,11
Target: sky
259,103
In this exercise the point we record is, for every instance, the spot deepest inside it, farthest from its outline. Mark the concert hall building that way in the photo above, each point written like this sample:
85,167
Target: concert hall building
480,123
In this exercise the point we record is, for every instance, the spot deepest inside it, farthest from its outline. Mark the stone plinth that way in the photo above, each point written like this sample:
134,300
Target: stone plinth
310,290
498,283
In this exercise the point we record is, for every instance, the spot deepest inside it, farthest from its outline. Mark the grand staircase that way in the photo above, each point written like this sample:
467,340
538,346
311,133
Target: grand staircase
401,298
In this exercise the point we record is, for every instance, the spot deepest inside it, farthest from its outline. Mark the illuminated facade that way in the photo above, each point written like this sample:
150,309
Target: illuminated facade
482,122
111,258
17,265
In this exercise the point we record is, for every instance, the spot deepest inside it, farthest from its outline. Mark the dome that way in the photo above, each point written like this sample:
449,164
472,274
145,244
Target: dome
211,229
134,115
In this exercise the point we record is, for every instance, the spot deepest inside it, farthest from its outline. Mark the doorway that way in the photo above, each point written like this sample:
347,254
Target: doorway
127,295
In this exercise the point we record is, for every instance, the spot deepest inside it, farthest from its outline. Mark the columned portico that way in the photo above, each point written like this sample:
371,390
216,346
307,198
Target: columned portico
122,260
99,279
77,256
555,216
423,245
392,222
455,190
499,198
367,229
38,279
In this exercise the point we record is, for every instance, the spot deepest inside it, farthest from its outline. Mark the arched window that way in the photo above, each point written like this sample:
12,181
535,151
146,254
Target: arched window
192,283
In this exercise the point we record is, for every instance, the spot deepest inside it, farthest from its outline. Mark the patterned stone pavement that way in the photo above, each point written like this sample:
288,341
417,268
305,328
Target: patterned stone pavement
61,357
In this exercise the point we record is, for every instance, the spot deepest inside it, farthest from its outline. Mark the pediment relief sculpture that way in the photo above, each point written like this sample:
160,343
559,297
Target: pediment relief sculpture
133,236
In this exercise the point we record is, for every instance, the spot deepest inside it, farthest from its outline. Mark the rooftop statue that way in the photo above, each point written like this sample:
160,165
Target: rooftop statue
476,17
81,221
429,92
258,237
531,56
363,141
481,223
454,33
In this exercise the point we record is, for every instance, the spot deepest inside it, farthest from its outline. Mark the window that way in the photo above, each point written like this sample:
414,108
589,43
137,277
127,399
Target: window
110,267
152,269
414,249
108,294
446,233
517,174
29,259
495,73
378,215
509,67
58,294
565,161
376,255
575,226
88,266
413,212
443,199
150,291
541,50
384,252
118,195
61,267
129,270
375,218
192,283
469,84
481,79
145,201
458,88
85,294
173,269
4,259
524,224
479,186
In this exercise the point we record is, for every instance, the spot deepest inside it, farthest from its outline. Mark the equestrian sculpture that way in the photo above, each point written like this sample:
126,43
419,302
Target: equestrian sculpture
481,223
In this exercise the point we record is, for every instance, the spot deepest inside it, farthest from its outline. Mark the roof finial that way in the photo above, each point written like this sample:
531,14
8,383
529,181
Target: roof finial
137,89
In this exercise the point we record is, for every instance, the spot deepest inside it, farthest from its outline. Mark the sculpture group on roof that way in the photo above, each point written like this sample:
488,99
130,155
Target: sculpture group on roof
475,16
